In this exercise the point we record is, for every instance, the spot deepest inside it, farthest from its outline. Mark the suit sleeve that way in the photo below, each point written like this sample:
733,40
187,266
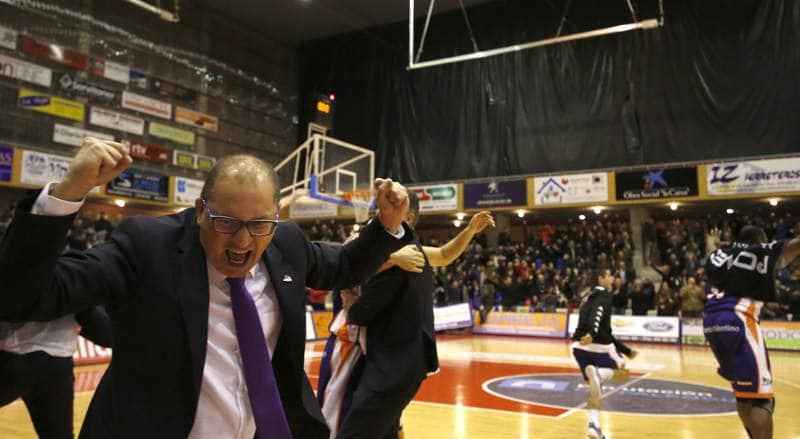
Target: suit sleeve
39,283
95,326
376,295
344,266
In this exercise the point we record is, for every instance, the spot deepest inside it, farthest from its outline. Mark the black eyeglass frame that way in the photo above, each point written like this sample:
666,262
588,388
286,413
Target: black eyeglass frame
250,225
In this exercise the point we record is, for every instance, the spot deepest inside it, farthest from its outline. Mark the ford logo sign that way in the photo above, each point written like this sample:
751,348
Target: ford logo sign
658,326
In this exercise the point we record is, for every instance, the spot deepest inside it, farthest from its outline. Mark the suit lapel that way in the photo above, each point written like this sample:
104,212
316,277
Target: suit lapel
289,291
191,285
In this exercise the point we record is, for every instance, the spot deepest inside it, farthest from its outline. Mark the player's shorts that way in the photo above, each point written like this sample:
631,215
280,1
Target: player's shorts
598,355
738,344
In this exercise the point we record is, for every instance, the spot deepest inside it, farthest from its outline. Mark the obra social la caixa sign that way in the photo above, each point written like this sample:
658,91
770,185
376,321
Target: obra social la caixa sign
437,198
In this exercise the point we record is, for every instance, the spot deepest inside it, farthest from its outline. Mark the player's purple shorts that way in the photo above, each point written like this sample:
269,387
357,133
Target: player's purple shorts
584,357
738,344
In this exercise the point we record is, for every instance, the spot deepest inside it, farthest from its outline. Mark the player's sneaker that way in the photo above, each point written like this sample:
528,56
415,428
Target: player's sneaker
595,387
594,431
621,375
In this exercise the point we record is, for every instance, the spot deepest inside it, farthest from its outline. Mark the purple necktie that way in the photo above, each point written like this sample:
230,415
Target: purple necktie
262,389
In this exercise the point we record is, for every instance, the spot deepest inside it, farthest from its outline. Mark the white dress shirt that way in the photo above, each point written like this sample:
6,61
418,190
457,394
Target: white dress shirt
223,410
57,338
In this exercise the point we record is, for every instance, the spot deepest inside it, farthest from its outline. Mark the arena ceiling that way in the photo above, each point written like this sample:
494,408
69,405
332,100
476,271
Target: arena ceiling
296,21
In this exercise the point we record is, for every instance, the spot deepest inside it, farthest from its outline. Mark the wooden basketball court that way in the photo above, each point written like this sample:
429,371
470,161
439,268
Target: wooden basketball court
514,387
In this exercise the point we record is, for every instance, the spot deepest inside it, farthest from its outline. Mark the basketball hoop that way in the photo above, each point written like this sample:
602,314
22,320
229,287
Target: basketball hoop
361,200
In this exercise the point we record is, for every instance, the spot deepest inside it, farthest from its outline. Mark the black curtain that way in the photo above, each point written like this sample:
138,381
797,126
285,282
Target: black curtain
719,80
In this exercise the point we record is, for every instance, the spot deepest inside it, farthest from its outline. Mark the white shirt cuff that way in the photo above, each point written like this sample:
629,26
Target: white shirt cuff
49,205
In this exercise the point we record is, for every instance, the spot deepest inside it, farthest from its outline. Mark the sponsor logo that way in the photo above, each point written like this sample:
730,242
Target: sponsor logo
53,52
17,69
70,84
54,106
636,396
657,326
143,104
8,38
6,162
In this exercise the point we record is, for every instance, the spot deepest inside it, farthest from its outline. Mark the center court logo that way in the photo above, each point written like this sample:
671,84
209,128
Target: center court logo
649,396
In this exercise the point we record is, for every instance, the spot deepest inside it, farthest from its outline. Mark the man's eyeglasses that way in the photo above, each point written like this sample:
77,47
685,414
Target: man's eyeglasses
230,225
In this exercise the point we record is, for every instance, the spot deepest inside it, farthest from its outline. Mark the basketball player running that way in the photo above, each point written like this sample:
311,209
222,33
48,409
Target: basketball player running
595,348
742,278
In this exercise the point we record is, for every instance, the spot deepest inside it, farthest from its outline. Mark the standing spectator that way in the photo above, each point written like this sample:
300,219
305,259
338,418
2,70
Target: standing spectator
692,299
620,301
666,305
641,297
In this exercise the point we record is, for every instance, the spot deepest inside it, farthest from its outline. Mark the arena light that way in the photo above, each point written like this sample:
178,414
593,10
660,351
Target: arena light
457,223
582,217
597,210
460,217
773,202
521,213
673,206
332,97
119,202
729,211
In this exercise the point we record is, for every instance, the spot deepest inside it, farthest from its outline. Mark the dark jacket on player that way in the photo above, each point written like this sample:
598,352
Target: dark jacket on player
595,319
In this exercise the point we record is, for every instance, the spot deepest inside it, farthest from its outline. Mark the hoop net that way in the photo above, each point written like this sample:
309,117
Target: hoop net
361,201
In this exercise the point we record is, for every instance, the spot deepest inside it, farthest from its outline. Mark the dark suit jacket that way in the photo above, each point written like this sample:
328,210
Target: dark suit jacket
396,306
152,277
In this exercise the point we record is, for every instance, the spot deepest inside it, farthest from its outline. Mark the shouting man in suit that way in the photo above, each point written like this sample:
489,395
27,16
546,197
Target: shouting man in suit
206,305
397,308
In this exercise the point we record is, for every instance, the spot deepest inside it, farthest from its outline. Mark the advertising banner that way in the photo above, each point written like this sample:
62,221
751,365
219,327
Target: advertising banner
186,191
205,163
781,334
8,38
25,71
692,331
172,90
116,121
523,323
6,162
52,105
447,318
39,168
138,79
177,135
143,104
146,151
54,52
754,177
656,184
111,70
496,194
569,189
184,159
74,136
196,119
312,209
140,184
639,328
436,198
73,86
